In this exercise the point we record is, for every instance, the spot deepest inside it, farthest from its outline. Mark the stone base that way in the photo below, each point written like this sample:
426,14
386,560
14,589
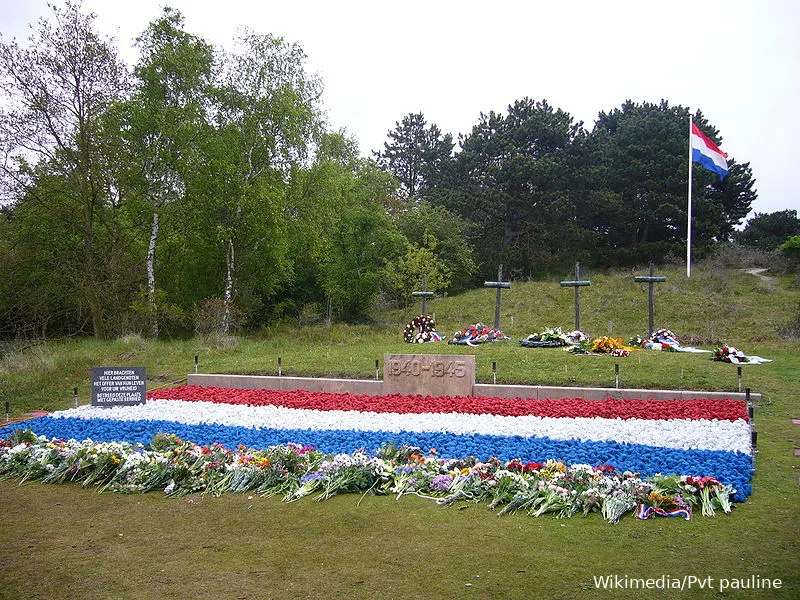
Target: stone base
374,387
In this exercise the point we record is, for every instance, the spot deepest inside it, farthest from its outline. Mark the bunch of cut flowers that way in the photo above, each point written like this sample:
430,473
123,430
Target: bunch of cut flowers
550,337
607,344
729,354
179,467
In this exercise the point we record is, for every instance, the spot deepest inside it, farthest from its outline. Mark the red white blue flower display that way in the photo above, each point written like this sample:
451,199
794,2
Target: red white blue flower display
701,438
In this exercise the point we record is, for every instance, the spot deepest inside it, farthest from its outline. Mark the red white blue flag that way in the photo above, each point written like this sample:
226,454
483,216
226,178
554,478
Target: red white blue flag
706,153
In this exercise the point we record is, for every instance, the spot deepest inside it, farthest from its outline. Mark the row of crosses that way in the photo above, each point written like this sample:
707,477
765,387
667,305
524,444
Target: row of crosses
499,284
576,283
651,280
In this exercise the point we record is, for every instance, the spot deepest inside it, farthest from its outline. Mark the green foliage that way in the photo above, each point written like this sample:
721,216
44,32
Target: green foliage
159,125
171,316
791,250
363,240
416,155
336,205
452,236
210,174
641,153
767,231
509,181
55,94
404,275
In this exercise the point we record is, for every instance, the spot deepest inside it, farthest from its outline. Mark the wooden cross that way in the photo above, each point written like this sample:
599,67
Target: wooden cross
650,302
500,285
424,294
577,284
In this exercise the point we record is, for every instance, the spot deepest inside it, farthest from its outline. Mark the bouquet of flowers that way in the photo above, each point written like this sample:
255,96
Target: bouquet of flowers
713,494
477,334
577,336
179,468
548,338
661,339
606,344
729,354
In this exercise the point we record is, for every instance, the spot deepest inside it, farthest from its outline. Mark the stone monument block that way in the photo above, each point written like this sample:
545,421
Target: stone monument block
429,374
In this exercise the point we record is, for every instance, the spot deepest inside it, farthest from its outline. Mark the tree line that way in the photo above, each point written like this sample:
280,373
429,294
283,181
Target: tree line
203,190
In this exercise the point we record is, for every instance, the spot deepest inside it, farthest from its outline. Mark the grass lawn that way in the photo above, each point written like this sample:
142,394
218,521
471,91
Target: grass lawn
66,541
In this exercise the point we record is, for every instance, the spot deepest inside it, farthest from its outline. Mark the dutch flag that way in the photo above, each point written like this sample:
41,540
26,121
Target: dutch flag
706,153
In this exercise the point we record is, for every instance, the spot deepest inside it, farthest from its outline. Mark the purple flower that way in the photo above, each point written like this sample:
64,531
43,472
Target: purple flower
440,483
315,476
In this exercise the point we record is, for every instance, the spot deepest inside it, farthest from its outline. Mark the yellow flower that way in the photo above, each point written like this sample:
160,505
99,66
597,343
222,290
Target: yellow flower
606,344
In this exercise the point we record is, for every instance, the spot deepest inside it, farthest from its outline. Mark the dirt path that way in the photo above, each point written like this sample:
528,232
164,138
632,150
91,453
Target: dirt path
760,274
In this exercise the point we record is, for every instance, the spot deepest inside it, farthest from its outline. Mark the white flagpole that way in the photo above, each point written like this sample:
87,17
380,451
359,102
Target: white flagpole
689,209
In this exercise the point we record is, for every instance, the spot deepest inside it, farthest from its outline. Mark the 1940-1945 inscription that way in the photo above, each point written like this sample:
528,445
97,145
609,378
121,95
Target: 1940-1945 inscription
429,374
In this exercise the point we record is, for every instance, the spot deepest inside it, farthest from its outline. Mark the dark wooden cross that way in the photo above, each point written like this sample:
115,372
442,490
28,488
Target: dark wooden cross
577,284
650,280
500,285
424,294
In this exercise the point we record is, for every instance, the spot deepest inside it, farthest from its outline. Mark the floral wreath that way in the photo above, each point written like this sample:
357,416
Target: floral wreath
420,329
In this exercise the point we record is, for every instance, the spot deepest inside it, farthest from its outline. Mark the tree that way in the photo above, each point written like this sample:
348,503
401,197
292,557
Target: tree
791,250
724,204
446,236
512,179
265,117
161,123
404,274
363,241
341,237
415,155
641,152
767,231
55,93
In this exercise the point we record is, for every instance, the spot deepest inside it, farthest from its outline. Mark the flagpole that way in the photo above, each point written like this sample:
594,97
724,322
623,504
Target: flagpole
689,209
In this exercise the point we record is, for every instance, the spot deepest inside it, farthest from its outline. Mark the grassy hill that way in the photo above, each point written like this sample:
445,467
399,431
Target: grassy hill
67,541
715,306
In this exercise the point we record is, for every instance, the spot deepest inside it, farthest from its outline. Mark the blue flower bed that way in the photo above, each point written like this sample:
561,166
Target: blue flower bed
731,468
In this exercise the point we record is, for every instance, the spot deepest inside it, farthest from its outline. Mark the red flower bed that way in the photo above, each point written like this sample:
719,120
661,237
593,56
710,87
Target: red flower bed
728,410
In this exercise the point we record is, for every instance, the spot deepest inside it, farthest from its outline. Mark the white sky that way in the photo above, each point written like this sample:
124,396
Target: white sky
738,61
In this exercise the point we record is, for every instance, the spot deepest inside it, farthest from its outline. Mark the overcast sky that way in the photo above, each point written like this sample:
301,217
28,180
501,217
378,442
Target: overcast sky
738,61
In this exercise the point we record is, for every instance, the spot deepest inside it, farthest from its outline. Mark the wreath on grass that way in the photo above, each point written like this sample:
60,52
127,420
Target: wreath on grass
421,329
477,334
549,338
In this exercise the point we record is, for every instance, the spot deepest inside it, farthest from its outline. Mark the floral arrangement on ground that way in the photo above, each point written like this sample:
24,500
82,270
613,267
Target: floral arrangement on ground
421,329
564,456
553,337
477,333
602,345
180,468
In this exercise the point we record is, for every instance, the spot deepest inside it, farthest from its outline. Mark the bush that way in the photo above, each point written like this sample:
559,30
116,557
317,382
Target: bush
209,317
790,249
736,256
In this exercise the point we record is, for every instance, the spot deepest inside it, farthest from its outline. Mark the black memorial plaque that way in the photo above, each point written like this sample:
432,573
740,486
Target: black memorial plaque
118,386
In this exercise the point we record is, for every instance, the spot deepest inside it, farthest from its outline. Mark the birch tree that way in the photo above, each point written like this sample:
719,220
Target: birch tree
163,120
266,117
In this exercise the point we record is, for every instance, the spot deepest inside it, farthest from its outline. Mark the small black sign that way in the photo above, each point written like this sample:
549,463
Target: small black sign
118,386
